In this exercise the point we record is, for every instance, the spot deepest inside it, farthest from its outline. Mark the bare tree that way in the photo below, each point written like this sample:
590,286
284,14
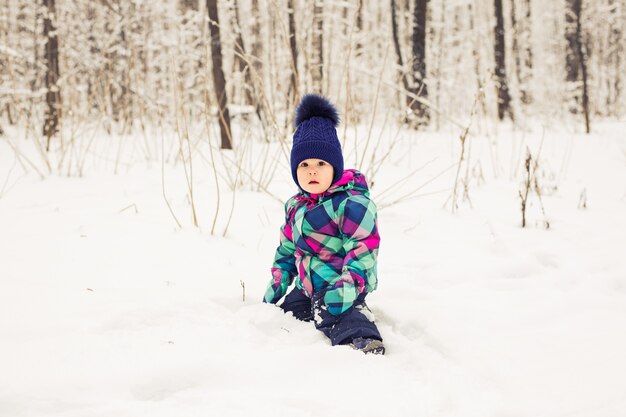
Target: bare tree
53,91
116,72
219,81
583,68
93,53
294,51
528,52
317,65
125,100
359,27
616,46
521,47
413,81
572,64
249,66
504,98
476,58
419,87
241,58
575,59
256,44
398,49
4,63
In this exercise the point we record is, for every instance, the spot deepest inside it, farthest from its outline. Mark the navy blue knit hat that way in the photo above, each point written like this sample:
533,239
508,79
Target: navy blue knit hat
316,136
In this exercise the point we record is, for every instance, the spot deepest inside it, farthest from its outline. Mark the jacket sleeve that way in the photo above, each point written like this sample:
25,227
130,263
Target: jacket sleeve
358,224
284,268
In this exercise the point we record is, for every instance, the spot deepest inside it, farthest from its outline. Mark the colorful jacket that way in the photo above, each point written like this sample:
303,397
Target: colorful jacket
329,242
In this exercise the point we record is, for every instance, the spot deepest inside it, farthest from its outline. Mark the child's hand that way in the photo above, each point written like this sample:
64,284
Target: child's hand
341,296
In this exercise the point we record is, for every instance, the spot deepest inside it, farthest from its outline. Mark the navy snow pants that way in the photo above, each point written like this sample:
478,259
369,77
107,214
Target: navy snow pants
341,329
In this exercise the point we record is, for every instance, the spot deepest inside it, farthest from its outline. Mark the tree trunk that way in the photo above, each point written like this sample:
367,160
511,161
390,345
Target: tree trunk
94,53
572,63
125,98
239,52
419,61
477,63
528,55
256,80
191,67
219,81
583,66
4,62
396,44
504,99
614,61
255,44
116,63
241,58
358,50
294,51
119,77
34,65
317,67
53,92
521,48
439,52
515,48
575,59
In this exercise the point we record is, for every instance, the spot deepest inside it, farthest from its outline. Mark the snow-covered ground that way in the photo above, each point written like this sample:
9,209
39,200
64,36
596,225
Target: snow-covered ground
108,309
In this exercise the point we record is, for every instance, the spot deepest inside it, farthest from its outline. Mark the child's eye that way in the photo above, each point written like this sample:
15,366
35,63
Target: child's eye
321,163
304,165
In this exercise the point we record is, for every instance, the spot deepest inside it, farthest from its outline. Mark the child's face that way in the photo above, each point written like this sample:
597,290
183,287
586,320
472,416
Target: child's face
315,175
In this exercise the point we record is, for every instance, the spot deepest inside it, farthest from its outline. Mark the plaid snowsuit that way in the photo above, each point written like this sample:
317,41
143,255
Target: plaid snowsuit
329,243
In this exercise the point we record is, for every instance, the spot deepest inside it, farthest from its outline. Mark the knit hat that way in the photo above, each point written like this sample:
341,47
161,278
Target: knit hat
316,136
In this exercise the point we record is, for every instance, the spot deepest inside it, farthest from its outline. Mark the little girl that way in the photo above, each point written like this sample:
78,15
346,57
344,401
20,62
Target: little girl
330,237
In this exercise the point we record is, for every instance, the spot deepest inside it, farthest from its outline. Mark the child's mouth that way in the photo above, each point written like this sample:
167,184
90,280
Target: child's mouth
313,182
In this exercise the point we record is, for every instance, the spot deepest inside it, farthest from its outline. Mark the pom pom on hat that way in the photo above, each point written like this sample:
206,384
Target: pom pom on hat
316,135
313,105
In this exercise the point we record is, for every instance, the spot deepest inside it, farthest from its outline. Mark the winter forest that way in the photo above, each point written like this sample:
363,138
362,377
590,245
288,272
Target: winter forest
120,66
145,163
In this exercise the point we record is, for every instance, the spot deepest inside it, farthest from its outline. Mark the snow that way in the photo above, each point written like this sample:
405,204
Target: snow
108,308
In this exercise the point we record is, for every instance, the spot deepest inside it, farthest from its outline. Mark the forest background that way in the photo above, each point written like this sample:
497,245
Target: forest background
188,66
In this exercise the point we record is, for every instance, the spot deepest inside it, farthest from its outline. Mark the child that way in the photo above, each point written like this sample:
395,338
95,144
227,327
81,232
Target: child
330,237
